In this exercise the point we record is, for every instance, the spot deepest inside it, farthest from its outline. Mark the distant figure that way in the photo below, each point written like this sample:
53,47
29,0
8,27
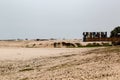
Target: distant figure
98,35
94,34
84,36
102,34
105,34
91,34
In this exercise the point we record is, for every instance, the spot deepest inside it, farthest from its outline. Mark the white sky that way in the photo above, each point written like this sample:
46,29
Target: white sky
56,18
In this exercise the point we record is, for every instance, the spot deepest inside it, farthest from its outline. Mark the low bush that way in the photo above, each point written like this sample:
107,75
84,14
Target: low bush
93,45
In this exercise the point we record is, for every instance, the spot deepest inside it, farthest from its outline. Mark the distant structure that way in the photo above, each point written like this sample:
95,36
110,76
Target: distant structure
99,36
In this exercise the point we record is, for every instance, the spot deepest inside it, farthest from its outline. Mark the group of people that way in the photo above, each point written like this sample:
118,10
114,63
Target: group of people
94,35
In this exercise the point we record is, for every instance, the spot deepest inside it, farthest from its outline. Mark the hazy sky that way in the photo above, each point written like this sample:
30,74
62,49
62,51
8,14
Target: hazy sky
56,18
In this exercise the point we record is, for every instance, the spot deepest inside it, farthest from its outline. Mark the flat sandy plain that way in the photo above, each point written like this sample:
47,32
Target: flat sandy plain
100,63
30,53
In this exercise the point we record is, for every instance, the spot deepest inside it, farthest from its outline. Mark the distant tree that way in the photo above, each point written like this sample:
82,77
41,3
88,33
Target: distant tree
26,39
115,32
52,39
37,39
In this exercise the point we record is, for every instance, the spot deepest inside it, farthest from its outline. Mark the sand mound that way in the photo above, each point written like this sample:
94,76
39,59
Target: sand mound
48,43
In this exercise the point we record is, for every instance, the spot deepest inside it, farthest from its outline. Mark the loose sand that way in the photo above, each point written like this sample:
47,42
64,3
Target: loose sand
30,53
60,63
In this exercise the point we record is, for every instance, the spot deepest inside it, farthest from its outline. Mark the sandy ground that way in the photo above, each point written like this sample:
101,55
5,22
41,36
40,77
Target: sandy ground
60,63
29,53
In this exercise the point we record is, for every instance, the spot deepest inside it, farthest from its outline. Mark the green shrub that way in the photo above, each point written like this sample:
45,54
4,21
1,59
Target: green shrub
78,44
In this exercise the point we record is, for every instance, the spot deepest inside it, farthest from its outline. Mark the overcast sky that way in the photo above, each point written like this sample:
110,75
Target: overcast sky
56,18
